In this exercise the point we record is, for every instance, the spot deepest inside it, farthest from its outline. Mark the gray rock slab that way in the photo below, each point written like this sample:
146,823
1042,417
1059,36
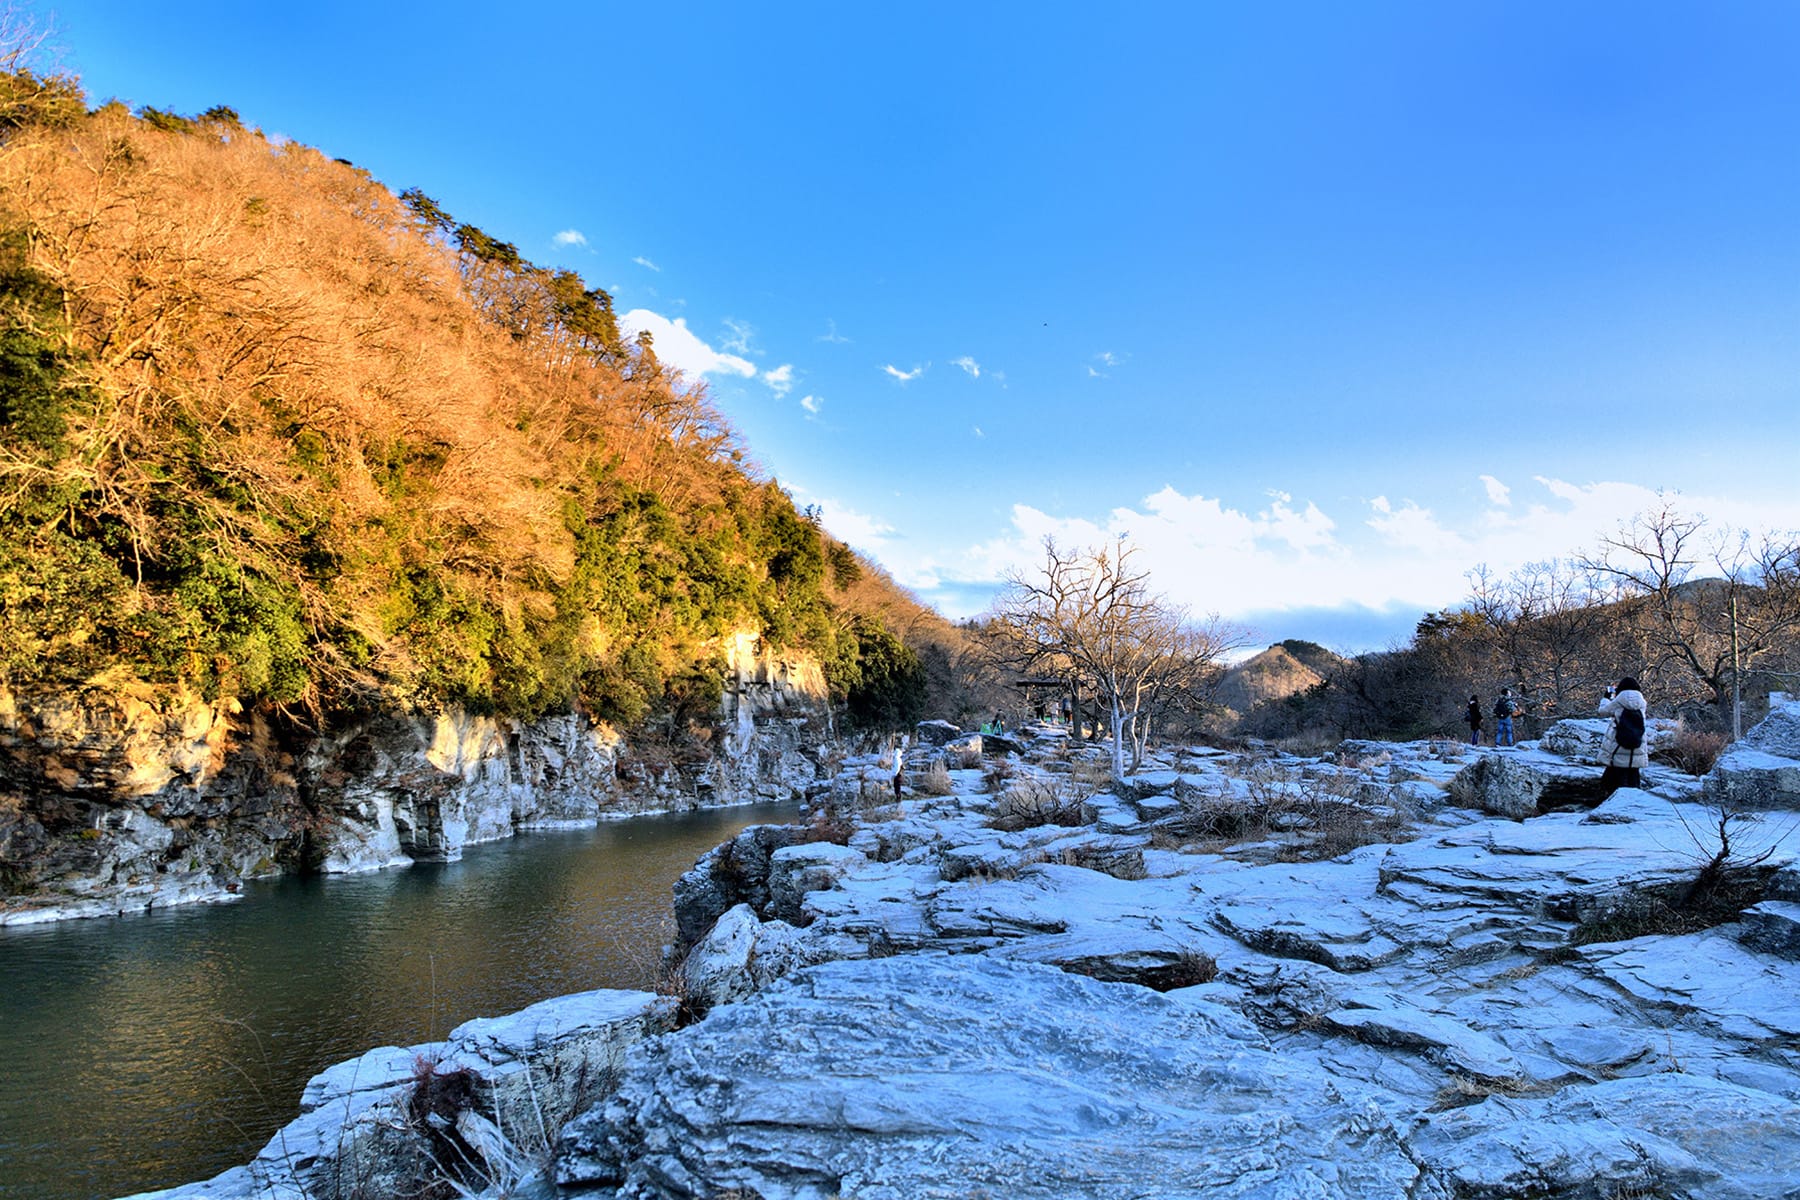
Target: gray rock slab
1658,1135
1772,927
921,1078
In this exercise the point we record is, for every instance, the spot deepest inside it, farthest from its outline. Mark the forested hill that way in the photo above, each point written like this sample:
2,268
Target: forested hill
270,430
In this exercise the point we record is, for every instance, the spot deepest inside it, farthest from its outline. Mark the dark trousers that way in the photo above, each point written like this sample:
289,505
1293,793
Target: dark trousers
1614,778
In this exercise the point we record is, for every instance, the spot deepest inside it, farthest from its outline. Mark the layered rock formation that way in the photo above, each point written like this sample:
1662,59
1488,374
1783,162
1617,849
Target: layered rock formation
1385,973
1489,1000
120,798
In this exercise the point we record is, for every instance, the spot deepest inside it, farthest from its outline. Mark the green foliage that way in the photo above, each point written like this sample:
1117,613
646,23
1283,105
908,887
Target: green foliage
65,609
167,122
28,99
35,391
886,685
845,570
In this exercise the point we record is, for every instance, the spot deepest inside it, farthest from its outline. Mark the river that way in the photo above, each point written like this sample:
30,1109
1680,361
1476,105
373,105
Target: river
140,1052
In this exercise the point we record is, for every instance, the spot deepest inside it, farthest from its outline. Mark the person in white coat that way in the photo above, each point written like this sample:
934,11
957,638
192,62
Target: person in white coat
1623,763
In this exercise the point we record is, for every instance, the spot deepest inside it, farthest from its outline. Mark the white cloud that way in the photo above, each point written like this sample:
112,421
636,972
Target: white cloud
1093,374
978,432
1108,358
855,529
968,364
780,380
641,261
831,334
1383,557
905,376
738,342
812,404
1497,493
681,348
570,237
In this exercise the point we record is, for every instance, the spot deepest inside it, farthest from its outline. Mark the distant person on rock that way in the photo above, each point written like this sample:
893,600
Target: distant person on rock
1504,708
899,761
1473,716
1624,749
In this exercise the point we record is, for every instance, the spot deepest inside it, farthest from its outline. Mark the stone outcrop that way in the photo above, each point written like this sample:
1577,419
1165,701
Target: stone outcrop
908,1078
1761,772
1451,1004
474,1113
126,797
1487,994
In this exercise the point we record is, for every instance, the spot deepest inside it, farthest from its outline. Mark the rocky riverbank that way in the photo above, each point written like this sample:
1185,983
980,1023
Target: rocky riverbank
121,797
1418,970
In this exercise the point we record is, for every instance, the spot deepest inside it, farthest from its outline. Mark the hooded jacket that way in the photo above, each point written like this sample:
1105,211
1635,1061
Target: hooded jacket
1610,753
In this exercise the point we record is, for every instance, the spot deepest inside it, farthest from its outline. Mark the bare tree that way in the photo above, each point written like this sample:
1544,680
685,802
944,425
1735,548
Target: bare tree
1698,635
1550,632
1089,616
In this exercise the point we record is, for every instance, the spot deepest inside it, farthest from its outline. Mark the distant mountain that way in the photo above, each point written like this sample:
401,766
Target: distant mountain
1277,673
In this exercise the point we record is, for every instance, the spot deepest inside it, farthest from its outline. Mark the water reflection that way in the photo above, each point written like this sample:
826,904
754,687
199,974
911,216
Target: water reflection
147,1051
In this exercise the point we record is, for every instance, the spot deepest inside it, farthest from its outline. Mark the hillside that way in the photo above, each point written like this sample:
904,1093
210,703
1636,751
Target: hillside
1282,670
270,431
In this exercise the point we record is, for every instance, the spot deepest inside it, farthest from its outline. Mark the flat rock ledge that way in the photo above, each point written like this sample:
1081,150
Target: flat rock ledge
919,1077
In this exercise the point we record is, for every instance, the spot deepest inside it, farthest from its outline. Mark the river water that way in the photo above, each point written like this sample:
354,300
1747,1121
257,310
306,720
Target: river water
140,1052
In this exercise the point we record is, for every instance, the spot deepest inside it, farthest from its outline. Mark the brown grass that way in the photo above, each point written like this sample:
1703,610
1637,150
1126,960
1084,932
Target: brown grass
1693,751
1030,803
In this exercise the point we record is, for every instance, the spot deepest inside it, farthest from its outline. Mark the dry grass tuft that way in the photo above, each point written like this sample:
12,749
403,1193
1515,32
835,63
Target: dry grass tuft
1693,751
1030,803
934,780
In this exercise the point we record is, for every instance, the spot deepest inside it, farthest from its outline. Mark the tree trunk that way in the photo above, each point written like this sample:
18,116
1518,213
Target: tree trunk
1118,739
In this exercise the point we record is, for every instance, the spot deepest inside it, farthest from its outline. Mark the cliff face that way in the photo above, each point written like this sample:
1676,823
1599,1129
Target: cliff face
126,797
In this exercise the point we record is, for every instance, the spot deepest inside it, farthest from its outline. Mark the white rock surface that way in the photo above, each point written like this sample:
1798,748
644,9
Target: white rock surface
918,1077
1447,980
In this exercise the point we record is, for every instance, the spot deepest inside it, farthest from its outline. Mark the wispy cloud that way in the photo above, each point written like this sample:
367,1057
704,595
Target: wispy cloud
1106,359
977,430
968,364
831,333
780,380
645,263
570,237
681,348
1497,492
738,340
905,376
812,404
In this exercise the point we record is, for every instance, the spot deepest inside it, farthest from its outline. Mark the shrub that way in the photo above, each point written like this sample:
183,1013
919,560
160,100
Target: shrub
998,775
827,825
1319,815
1030,803
1693,751
934,780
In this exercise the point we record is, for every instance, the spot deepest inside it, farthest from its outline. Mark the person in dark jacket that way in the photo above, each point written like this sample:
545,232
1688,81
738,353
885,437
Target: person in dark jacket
1474,718
1623,764
1504,708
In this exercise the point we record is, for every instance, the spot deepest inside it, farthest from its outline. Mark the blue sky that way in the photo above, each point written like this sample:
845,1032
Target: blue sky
1323,304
